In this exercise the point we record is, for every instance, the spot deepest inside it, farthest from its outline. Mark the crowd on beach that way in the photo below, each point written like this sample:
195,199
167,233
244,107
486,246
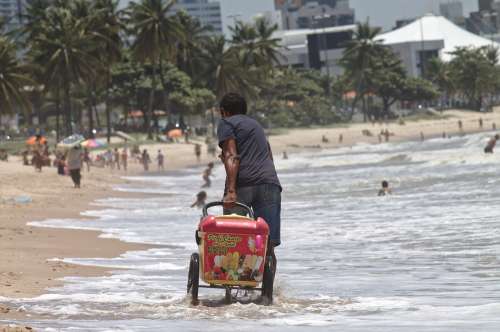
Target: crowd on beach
75,159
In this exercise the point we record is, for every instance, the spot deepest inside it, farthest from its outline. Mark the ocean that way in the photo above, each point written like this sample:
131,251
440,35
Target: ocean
426,258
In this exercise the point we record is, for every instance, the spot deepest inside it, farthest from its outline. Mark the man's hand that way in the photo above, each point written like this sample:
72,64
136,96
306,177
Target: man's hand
229,199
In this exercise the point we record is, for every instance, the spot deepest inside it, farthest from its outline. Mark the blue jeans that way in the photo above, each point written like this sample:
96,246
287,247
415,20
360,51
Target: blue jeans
265,200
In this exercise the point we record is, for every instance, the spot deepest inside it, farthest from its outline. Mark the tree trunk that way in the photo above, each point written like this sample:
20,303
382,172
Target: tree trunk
363,100
106,105
151,103
90,113
58,113
68,108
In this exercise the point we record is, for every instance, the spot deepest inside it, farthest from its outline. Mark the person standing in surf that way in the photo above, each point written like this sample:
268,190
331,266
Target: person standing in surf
251,176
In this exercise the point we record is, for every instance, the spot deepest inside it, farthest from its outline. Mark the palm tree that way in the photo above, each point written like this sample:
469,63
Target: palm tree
106,26
64,48
13,79
224,71
156,36
189,46
358,56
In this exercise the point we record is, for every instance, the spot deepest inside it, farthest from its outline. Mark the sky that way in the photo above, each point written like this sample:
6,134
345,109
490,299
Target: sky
383,13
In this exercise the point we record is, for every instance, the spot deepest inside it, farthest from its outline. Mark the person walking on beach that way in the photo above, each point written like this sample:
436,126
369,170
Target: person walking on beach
251,176
86,158
460,126
491,144
160,158
341,139
422,137
74,163
145,159
207,173
124,157
116,158
197,151
480,123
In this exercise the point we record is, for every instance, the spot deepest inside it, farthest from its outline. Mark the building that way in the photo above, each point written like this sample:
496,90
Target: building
319,49
485,5
308,14
453,11
11,13
208,13
427,37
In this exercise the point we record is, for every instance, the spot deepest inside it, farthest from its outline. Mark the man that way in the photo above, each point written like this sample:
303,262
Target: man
160,158
491,144
251,177
385,190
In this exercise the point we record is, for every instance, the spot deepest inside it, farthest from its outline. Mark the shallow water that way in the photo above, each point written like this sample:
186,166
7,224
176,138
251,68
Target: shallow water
424,259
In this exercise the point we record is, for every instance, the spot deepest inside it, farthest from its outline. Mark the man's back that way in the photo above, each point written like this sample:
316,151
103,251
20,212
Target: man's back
256,164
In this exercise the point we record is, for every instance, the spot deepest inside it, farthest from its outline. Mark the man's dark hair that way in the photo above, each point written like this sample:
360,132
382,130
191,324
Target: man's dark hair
385,184
233,103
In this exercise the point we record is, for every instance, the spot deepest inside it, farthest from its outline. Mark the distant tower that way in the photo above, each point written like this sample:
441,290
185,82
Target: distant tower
485,5
453,10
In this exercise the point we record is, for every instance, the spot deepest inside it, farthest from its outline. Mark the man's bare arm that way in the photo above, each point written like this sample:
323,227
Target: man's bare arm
231,162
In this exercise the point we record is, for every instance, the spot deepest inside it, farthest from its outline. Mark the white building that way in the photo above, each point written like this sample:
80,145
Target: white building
319,49
430,36
310,14
208,13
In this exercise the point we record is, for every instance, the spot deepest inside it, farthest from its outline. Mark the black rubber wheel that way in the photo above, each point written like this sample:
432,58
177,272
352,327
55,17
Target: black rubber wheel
228,298
268,281
194,278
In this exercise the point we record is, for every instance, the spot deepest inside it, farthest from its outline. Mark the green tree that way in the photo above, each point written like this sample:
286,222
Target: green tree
65,50
223,71
386,78
13,79
360,54
156,35
416,89
474,72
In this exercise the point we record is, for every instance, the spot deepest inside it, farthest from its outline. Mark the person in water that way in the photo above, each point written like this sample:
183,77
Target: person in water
385,190
201,199
491,144
207,173
251,177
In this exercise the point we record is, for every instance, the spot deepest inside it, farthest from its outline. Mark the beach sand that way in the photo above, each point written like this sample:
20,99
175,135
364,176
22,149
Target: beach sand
26,269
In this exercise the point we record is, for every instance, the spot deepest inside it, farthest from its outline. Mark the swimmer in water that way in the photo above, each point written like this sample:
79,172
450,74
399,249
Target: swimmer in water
491,144
200,200
385,190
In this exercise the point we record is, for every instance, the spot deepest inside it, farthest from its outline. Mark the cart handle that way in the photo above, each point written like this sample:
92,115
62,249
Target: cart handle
241,205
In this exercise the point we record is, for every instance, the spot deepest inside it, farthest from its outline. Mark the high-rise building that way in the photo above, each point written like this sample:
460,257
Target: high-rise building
208,13
485,5
311,14
453,11
11,12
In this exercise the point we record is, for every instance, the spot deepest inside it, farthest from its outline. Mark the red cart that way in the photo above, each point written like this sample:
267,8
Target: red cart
232,255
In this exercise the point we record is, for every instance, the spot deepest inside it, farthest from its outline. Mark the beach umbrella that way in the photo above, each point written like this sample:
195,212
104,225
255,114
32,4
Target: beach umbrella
36,139
125,136
93,143
70,141
174,133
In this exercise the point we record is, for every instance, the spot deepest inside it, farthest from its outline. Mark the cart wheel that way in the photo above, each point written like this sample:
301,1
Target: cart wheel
194,278
268,281
229,297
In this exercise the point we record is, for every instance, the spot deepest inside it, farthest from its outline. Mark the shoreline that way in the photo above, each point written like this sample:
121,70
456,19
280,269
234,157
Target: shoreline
25,266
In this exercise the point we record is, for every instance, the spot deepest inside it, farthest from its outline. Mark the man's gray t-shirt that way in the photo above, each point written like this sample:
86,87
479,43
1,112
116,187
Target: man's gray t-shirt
256,164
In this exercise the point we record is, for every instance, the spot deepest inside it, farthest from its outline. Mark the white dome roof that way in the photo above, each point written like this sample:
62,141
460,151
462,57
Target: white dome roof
433,28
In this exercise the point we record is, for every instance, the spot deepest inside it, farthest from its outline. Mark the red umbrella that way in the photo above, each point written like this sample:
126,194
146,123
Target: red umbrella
33,140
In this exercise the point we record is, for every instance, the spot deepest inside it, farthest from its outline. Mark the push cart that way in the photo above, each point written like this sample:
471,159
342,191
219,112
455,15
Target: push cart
232,255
